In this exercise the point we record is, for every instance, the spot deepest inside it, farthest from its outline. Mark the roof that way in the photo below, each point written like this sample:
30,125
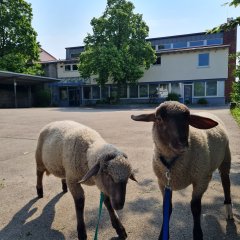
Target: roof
9,78
201,48
178,36
74,60
45,56
75,47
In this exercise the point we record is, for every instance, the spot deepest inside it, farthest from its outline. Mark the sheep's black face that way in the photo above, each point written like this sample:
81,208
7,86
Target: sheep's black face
172,123
115,191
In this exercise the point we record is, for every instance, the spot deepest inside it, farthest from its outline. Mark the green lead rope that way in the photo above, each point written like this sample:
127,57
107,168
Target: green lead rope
99,215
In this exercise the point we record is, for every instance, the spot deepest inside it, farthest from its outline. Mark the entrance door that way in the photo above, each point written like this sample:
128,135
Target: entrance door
187,94
74,97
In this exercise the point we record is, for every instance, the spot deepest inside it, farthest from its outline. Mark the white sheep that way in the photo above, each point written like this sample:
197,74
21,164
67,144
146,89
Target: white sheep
190,153
77,154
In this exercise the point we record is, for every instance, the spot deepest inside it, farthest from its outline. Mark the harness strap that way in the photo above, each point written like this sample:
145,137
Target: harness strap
167,164
166,208
99,215
167,196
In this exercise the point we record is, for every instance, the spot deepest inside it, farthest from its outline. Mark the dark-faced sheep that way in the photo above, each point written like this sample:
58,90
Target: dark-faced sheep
79,155
191,146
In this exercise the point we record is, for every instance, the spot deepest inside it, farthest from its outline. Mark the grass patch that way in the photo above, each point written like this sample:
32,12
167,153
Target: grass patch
236,114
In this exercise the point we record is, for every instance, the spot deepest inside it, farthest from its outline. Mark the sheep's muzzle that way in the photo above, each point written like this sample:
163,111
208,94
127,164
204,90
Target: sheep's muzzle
117,195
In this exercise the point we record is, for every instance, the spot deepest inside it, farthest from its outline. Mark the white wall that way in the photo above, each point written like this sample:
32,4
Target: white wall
175,66
184,66
65,74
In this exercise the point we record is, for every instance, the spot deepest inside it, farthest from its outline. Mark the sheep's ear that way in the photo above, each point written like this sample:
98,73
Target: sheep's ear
202,122
144,117
108,157
132,177
92,172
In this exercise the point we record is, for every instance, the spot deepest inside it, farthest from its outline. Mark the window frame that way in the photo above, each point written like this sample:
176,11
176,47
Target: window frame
207,95
208,60
140,90
136,86
204,89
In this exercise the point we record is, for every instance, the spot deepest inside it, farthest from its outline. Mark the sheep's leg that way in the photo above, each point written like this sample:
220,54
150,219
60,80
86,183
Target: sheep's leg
170,212
39,186
196,208
64,186
224,171
79,200
116,223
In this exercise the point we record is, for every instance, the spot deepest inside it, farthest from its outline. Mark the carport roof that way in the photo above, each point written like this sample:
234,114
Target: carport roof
20,78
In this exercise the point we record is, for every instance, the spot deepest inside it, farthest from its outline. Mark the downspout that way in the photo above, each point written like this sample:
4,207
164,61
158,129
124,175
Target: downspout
15,93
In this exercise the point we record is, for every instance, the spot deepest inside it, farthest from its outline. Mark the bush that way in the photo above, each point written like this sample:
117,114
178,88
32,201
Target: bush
42,98
172,97
202,101
235,95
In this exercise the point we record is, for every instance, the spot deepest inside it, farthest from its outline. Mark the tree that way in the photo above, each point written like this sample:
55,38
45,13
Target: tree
19,49
231,24
117,49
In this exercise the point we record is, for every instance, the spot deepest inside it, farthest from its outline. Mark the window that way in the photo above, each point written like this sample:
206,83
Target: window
203,59
95,92
153,89
196,43
163,90
63,93
199,89
164,86
180,45
87,92
175,88
211,88
215,41
123,91
74,67
143,90
67,67
71,67
104,90
133,91
164,46
74,55
153,47
158,61
113,91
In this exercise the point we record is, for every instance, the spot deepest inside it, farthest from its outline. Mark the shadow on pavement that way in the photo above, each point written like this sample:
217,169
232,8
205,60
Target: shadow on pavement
39,228
181,223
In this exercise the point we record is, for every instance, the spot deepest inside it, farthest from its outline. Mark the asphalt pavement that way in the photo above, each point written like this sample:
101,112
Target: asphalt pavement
23,216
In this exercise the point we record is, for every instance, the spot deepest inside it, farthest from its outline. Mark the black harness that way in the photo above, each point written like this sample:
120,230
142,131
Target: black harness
167,164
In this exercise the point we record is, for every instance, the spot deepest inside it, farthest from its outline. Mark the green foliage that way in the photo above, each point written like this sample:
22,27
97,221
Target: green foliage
42,97
237,70
117,49
172,97
230,24
234,3
236,114
202,101
18,40
235,94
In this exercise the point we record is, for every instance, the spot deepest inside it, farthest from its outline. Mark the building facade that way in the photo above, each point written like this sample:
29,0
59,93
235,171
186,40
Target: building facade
194,66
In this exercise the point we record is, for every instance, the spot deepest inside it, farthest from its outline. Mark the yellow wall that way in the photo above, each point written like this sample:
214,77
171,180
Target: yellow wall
184,66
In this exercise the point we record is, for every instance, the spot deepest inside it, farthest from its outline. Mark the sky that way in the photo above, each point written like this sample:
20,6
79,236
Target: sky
65,23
